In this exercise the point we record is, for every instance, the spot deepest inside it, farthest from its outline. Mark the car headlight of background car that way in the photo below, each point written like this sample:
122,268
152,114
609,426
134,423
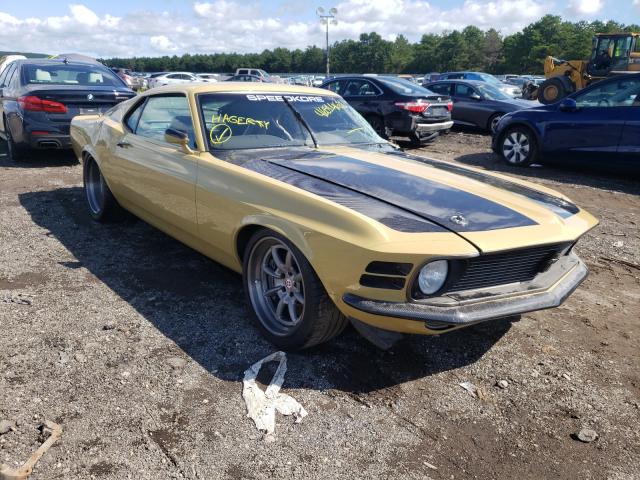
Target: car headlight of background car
432,276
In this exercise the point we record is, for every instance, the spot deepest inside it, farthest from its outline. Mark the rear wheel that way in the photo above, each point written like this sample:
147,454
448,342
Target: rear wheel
14,152
418,141
377,123
103,207
492,124
287,299
518,147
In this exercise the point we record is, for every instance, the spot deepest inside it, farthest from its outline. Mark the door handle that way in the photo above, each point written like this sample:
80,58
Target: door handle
123,144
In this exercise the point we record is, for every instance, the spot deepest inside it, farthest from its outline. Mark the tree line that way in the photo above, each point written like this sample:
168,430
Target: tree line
468,49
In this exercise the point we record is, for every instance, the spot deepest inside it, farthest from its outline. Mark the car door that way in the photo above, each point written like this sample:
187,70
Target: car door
465,104
629,145
156,177
8,103
364,96
3,86
590,132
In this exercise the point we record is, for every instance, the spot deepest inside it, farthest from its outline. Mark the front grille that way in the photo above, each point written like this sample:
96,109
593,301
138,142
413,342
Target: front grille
506,267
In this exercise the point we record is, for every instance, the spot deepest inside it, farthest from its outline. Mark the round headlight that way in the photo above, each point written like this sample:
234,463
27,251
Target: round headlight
432,276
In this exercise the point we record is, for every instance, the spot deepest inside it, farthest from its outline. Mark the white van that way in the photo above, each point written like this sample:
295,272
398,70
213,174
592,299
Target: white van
253,71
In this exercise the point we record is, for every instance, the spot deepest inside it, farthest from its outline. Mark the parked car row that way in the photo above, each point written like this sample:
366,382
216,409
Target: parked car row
38,99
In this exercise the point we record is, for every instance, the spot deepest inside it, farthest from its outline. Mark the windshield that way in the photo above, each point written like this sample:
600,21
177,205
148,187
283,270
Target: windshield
240,121
69,74
404,87
492,93
489,78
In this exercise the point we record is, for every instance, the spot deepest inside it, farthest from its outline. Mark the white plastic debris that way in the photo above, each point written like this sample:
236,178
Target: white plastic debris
262,405
471,388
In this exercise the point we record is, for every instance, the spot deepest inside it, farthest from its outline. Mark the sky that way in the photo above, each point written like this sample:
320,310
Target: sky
166,27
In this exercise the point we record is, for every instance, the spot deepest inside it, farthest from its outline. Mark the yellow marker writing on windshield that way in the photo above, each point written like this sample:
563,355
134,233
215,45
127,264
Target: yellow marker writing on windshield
237,120
220,133
328,108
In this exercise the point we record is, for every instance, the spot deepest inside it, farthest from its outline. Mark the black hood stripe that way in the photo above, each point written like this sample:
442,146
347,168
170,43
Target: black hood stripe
388,215
557,205
434,201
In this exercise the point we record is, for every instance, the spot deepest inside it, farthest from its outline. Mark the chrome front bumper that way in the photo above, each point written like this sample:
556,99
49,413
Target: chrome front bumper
550,289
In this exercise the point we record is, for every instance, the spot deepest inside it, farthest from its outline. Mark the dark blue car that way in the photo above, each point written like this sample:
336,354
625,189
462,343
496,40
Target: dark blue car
600,124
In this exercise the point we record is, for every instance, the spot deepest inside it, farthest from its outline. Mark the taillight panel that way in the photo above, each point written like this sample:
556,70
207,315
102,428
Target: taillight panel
31,103
417,106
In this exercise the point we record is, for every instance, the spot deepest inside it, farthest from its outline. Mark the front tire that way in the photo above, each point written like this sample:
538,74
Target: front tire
287,299
101,203
518,147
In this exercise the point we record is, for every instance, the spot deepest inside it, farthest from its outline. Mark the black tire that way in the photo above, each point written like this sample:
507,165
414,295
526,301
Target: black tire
551,91
525,154
319,319
15,153
377,123
101,203
492,123
417,141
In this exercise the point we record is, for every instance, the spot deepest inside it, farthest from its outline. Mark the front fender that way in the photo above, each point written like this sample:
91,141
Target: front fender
293,232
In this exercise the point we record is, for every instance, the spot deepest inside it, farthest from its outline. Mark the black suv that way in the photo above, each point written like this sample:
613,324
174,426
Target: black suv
38,99
396,107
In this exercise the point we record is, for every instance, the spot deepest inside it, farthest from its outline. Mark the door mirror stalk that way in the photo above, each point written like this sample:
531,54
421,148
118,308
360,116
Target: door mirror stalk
176,137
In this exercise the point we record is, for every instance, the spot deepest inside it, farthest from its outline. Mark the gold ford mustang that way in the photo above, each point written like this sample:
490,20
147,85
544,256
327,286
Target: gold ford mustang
325,220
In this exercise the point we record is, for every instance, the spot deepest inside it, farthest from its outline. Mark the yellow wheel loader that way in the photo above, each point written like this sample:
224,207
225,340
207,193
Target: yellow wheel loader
612,54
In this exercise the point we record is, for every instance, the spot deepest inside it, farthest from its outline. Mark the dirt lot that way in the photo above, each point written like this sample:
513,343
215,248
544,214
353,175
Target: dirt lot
136,346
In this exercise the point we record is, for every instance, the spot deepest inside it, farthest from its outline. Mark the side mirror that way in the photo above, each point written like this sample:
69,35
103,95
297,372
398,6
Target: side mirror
176,137
475,96
568,105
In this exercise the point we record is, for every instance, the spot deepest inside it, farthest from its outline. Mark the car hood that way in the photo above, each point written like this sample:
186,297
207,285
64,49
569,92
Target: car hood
475,205
522,103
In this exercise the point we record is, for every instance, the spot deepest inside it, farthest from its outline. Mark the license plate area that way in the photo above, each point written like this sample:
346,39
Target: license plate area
90,111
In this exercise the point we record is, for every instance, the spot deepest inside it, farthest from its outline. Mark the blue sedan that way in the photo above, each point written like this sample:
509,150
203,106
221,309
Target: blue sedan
600,123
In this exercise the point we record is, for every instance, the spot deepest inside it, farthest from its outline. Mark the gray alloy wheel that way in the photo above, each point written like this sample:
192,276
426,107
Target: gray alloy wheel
286,297
94,188
103,207
276,286
518,147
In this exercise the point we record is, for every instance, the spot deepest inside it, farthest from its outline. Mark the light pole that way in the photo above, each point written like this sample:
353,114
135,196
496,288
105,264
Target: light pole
325,19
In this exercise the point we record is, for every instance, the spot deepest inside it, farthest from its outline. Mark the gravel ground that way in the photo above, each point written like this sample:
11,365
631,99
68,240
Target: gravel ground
136,346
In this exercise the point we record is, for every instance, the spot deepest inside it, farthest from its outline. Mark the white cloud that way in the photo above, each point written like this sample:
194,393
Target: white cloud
162,43
84,15
587,8
249,26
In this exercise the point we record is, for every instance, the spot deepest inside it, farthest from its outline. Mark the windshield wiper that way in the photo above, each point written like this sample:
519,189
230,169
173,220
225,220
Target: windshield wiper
302,121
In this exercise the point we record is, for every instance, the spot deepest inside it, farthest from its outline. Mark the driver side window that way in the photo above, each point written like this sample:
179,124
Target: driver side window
621,93
463,90
160,113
